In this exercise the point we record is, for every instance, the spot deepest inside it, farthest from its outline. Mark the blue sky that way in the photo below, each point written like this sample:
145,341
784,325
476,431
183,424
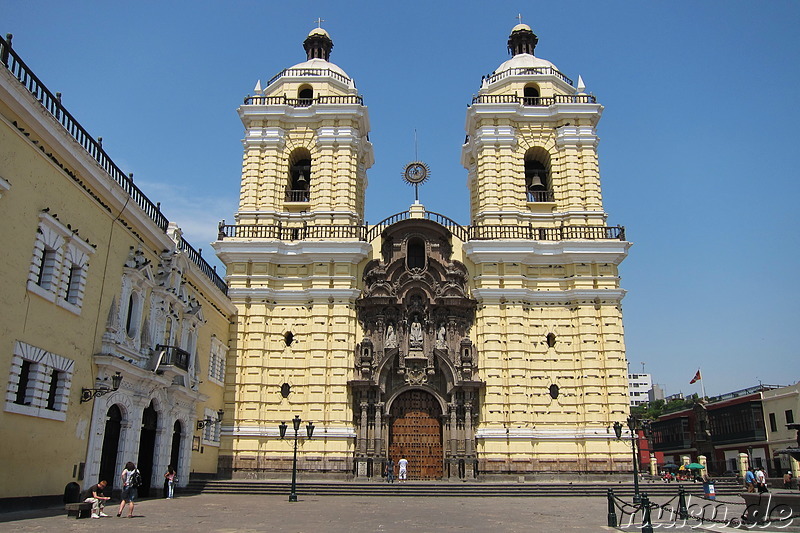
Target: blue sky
698,132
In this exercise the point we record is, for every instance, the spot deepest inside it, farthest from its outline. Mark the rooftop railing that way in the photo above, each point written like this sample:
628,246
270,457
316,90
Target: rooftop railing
197,258
303,102
528,71
534,101
310,72
464,233
52,104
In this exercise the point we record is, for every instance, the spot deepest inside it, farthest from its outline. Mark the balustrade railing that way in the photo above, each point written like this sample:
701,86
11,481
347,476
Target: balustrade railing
540,196
309,72
52,104
303,102
528,71
297,195
290,233
197,258
535,101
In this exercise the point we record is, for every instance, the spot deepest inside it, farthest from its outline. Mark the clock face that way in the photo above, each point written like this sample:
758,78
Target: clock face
416,173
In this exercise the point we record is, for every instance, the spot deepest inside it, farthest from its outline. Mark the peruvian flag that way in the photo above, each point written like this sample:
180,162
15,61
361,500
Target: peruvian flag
697,377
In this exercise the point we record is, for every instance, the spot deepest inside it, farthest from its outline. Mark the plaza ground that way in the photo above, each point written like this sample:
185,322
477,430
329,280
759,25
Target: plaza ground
351,514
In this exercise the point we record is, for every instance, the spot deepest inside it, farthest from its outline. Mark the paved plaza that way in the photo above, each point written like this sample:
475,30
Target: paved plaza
350,514
251,513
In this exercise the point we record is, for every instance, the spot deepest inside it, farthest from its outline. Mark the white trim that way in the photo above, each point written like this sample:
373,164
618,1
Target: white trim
327,432
547,252
496,296
545,434
291,253
4,186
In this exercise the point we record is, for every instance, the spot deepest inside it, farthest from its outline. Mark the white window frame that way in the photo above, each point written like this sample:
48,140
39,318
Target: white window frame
216,362
211,431
69,253
43,363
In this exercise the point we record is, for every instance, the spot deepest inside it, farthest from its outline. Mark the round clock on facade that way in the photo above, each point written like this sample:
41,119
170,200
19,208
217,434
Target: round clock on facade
416,172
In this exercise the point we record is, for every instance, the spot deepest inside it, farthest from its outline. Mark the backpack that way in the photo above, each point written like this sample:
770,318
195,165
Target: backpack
135,479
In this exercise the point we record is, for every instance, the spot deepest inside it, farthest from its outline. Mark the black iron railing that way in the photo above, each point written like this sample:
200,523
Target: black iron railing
173,356
297,195
540,101
197,258
290,233
540,196
52,104
528,71
310,72
303,102
464,233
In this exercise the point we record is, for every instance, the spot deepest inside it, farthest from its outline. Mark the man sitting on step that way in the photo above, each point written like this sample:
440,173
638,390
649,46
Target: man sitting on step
97,499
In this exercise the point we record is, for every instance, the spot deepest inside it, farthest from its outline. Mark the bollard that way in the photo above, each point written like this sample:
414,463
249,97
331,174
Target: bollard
647,526
612,510
683,512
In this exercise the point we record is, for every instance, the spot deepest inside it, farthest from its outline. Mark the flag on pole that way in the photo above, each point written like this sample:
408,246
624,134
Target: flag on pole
697,377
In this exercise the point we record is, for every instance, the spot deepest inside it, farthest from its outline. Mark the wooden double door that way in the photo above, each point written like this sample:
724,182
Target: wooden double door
416,434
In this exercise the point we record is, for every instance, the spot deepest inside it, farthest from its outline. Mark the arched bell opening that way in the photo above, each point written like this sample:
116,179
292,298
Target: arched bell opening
538,186
299,176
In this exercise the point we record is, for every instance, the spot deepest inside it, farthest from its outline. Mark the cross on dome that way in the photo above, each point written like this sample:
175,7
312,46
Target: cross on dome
319,22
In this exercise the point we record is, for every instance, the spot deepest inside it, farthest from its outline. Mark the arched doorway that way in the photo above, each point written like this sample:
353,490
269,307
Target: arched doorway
108,459
147,446
416,433
175,453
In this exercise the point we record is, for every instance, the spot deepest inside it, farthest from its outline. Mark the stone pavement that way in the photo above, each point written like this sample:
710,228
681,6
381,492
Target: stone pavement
253,513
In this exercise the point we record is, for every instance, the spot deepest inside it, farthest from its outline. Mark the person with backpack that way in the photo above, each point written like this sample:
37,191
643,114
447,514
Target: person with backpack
131,481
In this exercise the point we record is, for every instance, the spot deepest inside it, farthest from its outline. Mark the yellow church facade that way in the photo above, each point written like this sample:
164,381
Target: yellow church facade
477,351
114,328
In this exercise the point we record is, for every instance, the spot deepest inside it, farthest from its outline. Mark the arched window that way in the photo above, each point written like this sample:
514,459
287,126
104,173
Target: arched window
131,321
537,176
305,95
531,94
299,176
415,255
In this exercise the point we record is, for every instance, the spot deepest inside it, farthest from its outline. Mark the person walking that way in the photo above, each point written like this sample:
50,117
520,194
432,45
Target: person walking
390,471
169,482
403,464
787,480
761,480
131,480
750,480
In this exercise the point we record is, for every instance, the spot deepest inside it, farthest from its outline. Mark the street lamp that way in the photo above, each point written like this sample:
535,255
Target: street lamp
309,431
632,422
203,423
90,394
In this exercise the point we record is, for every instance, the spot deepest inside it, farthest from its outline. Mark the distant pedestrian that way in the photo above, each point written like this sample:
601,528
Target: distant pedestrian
169,482
787,480
761,480
403,464
750,480
390,471
131,480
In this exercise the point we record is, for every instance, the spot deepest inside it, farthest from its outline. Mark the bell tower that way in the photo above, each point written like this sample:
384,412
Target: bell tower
545,268
292,259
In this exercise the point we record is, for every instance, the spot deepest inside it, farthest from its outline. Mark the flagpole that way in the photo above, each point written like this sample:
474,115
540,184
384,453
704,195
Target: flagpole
702,385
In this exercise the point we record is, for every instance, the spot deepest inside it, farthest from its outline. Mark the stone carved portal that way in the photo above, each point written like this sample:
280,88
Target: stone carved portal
416,315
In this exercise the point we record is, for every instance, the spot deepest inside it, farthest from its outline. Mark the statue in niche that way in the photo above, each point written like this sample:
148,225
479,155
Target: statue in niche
415,338
391,337
441,337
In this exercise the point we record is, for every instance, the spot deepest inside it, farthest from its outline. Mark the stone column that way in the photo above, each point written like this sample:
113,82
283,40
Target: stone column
795,468
653,464
469,438
378,448
744,464
362,431
703,461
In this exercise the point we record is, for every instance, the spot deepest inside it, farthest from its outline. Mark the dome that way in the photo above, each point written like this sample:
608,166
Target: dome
519,27
319,31
524,61
321,64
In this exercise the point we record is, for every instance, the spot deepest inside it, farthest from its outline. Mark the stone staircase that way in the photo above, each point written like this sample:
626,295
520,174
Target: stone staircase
657,489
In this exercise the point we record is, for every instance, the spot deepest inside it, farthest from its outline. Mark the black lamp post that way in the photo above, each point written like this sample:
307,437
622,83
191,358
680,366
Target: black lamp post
632,423
309,431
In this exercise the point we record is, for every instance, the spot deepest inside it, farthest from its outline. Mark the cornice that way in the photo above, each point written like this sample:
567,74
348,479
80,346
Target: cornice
497,296
291,253
547,252
245,294
327,432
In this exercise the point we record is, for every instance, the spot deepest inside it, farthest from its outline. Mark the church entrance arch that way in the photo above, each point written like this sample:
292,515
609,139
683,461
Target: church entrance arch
108,459
147,448
416,434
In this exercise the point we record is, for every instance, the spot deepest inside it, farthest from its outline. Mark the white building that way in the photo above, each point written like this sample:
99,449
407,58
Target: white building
639,386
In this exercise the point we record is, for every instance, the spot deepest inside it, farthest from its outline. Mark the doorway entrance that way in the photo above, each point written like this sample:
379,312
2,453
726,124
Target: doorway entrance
147,448
416,434
108,459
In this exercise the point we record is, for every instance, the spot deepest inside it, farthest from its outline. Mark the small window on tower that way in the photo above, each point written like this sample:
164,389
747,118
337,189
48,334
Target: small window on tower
416,254
551,339
305,95
531,95
288,338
